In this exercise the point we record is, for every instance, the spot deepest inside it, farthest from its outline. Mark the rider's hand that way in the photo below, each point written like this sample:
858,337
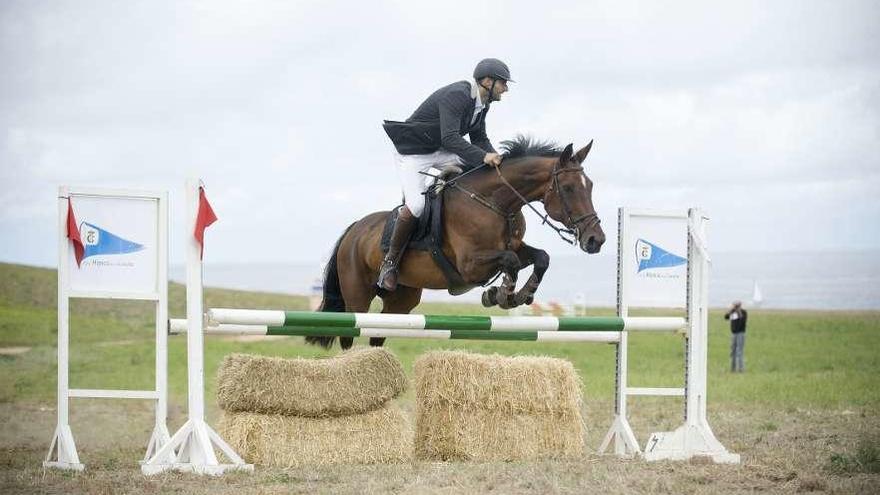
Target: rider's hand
493,159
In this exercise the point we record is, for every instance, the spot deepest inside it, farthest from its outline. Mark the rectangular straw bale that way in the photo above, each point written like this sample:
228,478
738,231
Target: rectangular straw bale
496,408
354,382
451,434
521,384
380,436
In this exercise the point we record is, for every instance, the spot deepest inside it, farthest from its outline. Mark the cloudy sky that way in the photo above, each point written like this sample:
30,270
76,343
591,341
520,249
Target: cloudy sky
765,114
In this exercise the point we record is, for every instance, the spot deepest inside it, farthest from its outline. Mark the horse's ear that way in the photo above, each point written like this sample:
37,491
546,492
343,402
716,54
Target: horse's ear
565,157
581,155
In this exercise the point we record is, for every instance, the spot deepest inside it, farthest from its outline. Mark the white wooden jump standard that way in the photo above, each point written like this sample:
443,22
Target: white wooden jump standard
97,281
191,449
695,436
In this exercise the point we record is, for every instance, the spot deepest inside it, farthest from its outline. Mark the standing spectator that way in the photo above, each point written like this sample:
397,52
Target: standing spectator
737,316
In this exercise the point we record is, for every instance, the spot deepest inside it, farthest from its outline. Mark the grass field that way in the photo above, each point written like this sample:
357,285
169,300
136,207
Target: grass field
804,416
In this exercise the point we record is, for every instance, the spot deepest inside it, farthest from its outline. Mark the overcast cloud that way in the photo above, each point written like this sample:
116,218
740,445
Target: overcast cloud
766,114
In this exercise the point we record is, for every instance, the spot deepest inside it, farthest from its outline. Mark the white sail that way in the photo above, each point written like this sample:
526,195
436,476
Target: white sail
757,297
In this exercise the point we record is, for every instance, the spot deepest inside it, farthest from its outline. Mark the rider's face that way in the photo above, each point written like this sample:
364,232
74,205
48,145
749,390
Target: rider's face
500,87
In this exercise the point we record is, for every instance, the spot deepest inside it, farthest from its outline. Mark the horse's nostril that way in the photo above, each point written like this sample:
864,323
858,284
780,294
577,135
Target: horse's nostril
593,245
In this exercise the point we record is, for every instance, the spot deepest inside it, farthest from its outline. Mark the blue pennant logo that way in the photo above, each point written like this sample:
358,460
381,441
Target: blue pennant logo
653,256
98,241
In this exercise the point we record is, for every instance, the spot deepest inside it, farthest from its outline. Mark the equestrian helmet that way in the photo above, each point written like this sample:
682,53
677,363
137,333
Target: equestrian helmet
492,67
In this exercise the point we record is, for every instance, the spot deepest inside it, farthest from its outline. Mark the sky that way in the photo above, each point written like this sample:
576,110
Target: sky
764,114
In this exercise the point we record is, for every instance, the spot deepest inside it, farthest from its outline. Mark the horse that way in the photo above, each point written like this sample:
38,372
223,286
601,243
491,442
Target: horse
483,228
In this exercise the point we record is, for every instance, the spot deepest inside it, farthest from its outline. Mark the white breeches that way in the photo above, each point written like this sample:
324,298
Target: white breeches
415,183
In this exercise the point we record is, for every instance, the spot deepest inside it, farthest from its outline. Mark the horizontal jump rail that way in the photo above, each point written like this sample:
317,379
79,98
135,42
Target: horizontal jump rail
272,318
179,326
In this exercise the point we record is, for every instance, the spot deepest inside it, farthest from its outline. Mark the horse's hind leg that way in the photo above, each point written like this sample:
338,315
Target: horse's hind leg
359,290
401,301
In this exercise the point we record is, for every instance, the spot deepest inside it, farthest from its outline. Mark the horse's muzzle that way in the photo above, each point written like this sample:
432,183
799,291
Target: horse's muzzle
592,243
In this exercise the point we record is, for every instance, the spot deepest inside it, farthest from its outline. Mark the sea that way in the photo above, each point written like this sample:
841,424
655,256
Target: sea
831,280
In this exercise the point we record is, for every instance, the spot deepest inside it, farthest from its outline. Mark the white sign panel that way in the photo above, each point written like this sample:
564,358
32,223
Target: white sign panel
654,260
121,240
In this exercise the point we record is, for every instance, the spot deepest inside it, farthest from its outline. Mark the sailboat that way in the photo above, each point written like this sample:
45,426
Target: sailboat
757,297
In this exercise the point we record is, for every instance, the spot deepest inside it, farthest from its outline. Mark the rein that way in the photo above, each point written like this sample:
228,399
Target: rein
510,217
545,219
568,235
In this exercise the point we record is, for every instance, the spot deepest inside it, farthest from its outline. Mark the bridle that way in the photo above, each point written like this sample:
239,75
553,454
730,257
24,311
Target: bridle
574,222
571,235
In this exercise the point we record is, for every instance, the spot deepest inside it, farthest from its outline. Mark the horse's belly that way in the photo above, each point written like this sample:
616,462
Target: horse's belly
419,270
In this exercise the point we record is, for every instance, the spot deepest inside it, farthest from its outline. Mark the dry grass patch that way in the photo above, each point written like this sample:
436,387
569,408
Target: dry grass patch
13,351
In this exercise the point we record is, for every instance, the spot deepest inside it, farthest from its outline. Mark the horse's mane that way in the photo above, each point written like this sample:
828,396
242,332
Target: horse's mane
521,146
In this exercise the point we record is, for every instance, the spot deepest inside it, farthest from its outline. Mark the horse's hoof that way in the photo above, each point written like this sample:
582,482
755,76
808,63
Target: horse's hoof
490,297
504,299
524,300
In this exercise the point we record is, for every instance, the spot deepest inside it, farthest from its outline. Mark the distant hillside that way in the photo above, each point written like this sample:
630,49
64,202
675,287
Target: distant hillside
22,285
35,287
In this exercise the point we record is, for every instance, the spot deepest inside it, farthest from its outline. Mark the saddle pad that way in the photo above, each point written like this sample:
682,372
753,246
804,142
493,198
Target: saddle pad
421,237
428,236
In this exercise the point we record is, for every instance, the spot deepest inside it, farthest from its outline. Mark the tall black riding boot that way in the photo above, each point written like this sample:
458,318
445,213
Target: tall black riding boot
403,229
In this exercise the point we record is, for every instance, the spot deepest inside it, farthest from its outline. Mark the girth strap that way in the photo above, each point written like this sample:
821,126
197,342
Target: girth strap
454,280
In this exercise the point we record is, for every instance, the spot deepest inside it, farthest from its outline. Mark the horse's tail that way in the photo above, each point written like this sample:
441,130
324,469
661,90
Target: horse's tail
332,300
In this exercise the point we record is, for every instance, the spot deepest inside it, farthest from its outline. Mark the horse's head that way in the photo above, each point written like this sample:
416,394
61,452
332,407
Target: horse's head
569,199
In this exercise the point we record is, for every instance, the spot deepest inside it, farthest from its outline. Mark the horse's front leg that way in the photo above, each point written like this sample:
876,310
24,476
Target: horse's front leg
504,295
491,261
529,255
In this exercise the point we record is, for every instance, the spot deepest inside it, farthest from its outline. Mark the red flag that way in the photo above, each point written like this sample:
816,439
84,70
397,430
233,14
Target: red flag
204,218
73,234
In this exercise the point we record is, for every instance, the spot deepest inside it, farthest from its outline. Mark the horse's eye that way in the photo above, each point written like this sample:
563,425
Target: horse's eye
567,188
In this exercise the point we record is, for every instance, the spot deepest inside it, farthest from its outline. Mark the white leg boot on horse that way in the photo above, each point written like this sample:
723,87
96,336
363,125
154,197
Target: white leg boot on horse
403,229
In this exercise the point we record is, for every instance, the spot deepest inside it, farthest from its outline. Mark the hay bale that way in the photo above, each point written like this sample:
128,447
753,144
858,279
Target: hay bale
521,384
496,408
451,434
354,382
380,436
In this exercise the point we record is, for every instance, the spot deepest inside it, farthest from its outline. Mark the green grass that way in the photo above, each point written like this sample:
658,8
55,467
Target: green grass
865,459
794,359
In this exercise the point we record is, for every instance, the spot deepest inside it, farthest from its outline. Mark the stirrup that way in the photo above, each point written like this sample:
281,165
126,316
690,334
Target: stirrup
387,265
388,269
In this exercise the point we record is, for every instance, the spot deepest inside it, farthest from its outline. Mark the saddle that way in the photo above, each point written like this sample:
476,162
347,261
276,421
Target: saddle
428,234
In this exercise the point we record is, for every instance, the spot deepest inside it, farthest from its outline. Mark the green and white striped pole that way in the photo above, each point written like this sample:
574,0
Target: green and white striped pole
274,318
407,333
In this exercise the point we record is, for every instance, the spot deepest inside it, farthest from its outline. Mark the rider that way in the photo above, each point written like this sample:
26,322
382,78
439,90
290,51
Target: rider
433,136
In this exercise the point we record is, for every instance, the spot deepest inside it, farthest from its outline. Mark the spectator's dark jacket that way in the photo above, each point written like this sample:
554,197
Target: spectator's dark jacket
441,122
738,325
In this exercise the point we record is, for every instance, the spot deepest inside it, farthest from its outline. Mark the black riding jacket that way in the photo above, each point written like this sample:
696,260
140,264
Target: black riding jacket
441,121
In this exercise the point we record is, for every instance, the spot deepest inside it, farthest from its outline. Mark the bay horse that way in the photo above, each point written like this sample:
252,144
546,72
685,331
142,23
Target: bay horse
483,228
